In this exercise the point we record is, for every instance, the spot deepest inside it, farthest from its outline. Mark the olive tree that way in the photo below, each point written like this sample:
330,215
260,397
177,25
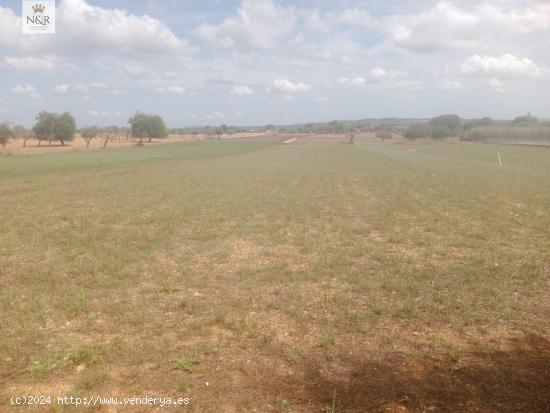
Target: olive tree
384,132
145,126
88,134
5,133
54,126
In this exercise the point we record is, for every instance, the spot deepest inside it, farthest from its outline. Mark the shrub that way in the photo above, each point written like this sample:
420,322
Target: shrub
418,130
452,123
528,120
508,134
441,132
476,123
5,133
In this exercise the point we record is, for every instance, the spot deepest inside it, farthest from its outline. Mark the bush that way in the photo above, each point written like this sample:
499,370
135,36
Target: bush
418,130
441,132
527,120
5,133
452,123
55,126
476,123
508,134
445,126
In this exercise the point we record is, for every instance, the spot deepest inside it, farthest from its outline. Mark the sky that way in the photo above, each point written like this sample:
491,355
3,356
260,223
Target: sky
254,62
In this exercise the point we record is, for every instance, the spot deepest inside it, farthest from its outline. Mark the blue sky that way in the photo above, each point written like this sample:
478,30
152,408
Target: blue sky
266,61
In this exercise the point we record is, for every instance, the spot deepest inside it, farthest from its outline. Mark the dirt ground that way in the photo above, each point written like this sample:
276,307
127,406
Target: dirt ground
15,147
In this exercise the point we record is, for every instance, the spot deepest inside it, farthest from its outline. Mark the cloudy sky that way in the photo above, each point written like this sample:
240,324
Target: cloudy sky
245,62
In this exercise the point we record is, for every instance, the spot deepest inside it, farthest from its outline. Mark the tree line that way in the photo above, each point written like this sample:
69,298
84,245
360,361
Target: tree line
62,127
525,128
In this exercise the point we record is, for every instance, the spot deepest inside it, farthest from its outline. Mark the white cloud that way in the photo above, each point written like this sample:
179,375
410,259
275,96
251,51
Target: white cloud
30,63
71,89
241,91
258,24
443,27
535,17
91,30
98,85
113,30
450,85
379,78
96,113
177,90
10,30
286,86
450,26
498,86
135,70
356,17
354,81
506,65
25,89
216,115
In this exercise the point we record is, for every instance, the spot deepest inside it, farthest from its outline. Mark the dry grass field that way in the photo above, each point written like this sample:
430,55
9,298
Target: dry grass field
255,276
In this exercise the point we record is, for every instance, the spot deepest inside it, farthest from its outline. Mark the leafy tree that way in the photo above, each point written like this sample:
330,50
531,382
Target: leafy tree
528,119
444,126
335,126
147,126
88,134
384,132
5,133
476,123
65,128
441,132
139,124
54,126
158,129
418,130
20,132
452,122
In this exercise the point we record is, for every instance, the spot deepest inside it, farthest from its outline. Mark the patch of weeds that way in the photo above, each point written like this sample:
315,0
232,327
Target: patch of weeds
298,316
183,363
45,366
327,340
167,288
91,379
196,327
84,355
79,304
189,306
453,355
266,339
220,317
387,341
293,357
184,386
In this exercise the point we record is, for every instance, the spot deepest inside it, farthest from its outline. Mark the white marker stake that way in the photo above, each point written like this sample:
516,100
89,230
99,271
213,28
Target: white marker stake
499,161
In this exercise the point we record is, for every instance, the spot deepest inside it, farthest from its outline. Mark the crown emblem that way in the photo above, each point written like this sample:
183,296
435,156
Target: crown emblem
38,8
